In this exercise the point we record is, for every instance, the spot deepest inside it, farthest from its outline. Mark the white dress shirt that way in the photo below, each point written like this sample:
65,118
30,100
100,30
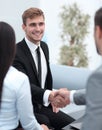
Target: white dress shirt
33,48
16,102
72,96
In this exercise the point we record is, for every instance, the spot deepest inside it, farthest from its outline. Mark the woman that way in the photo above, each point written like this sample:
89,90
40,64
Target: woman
15,97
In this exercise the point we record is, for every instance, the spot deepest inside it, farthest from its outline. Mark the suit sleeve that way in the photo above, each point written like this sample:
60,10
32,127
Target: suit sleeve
80,97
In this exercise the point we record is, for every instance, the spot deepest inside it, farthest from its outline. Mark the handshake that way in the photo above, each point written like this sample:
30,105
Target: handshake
59,99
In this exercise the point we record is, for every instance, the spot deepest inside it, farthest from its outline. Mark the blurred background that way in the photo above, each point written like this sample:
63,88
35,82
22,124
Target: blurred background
69,28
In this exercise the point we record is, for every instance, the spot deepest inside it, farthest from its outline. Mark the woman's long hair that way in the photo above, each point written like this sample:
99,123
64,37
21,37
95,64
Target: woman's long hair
7,51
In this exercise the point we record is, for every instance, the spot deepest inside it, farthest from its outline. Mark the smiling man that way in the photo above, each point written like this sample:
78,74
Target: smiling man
26,60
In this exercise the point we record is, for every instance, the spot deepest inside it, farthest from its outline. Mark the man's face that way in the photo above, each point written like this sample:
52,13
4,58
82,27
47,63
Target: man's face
34,29
98,39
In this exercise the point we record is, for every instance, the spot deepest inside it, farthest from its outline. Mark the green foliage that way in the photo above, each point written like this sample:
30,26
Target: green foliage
74,25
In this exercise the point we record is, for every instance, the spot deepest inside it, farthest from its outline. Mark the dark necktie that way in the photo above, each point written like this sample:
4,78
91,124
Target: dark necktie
39,63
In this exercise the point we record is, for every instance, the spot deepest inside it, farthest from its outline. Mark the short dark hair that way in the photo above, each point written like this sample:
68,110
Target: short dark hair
32,13
7,50
98,18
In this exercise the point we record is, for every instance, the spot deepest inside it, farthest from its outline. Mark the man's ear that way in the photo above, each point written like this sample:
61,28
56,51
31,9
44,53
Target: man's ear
23,26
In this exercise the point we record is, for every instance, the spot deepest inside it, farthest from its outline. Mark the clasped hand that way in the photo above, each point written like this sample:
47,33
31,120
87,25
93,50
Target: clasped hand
59,99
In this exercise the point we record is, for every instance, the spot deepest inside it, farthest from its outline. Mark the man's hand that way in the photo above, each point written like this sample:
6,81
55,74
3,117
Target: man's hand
59,98
64,93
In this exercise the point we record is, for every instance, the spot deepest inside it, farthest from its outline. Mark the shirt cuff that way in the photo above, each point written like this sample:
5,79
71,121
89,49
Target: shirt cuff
45,97
72,96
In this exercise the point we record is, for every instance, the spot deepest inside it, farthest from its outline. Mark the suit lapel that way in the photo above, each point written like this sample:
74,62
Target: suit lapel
29,56
48,83
45,51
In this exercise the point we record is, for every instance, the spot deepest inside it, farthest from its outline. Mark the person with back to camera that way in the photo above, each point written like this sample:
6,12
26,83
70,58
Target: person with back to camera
26,61
92,95
15,100
93,114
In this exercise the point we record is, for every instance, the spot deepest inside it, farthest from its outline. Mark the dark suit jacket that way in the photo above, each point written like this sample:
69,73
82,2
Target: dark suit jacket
24,62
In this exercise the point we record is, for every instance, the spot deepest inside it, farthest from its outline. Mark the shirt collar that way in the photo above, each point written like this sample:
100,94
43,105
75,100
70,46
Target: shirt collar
31,45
